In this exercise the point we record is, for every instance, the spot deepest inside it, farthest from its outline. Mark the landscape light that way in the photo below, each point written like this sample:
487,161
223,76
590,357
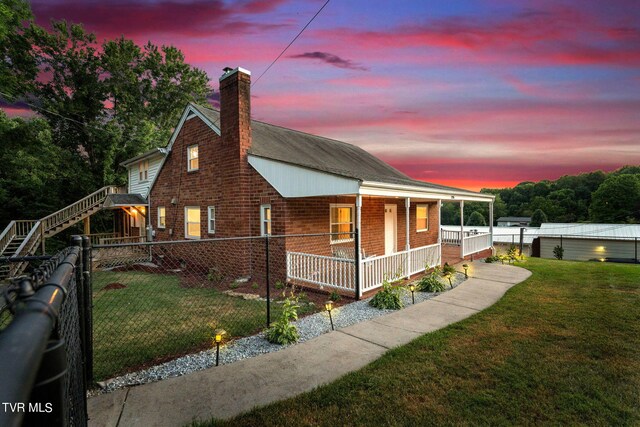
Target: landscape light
466,269
329,306
447,275
412,288
217,338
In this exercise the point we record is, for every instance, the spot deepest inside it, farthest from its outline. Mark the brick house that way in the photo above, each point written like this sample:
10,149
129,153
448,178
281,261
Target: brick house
224,175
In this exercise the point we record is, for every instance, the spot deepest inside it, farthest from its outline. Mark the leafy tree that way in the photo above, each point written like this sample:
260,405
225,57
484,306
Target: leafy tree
617,200
29,176
538,218
476,219
17,66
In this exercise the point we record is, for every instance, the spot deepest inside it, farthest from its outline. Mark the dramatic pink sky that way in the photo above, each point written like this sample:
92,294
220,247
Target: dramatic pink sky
465,93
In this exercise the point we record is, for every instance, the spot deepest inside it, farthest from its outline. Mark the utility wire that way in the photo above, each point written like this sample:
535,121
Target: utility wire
291,42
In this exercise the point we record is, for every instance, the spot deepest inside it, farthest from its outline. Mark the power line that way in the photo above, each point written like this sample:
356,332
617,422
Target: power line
37,107
291,42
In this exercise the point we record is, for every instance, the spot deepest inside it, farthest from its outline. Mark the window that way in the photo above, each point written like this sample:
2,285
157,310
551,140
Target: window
212,219
265,220
341,222
162,217
192,158
143,170
422,217
192,222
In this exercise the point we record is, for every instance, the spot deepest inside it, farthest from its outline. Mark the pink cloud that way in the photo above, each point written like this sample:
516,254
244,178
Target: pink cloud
197,18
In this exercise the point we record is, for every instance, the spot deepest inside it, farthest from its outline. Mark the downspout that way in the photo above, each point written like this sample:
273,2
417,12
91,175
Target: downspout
358,253
440,232
493,250
407,204
462,229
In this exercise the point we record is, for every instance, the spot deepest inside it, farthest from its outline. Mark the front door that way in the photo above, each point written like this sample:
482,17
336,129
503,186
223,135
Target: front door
390,227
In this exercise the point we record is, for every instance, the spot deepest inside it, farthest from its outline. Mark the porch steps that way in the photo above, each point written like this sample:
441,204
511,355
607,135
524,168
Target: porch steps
72,221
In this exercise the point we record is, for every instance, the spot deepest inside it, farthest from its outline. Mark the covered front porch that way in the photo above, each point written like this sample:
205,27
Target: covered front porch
386,233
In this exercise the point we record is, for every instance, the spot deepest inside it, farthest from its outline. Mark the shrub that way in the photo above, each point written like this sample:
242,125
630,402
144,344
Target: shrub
279,285
558,252
215,275
430,283
254,286
388,297
335,296
283,331
448,269
491,259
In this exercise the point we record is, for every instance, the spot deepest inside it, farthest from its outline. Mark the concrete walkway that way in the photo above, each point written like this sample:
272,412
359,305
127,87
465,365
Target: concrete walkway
228,390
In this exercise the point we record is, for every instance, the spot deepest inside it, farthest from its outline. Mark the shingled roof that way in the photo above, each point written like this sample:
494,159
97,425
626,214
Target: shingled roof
322,154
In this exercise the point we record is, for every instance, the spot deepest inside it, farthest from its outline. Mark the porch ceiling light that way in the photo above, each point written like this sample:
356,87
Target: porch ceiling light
329,306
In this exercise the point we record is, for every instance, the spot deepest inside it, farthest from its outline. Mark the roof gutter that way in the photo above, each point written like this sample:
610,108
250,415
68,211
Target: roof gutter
373,188
143,156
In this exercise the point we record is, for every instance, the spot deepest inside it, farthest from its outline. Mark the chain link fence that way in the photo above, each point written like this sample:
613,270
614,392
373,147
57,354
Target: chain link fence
153,302
43,341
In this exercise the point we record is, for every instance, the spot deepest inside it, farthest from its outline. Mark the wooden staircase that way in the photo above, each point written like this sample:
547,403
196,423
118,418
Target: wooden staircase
23,237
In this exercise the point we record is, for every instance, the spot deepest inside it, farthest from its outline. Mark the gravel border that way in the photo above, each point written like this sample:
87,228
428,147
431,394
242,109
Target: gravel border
309,327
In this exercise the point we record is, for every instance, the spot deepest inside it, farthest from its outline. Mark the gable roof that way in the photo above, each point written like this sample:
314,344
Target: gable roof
145,155
322,154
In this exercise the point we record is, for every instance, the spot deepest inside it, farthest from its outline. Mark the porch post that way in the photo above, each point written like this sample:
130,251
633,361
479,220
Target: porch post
491,224
358,254
462,229
87,225
440,232
407,204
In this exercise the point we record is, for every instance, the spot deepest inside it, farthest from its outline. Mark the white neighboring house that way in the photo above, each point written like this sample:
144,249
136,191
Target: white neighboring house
513,221
584,242
142,170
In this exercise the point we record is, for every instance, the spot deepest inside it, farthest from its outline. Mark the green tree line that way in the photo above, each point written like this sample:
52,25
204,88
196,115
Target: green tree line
597,197
97,104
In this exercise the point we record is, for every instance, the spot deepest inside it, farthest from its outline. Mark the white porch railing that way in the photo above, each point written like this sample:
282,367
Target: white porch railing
450,237
476,243
376,269
322,270
339,273
423,258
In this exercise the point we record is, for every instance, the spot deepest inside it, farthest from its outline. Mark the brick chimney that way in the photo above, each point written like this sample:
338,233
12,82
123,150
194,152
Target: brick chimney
235,132
235,109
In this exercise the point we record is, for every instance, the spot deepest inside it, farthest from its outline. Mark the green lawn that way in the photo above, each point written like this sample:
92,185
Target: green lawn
562,348
153,318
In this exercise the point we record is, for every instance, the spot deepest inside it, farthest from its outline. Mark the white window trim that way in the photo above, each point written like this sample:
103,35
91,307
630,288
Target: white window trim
420,230
186,223
145,170
263,232
161,226
210,217
189,169
353,211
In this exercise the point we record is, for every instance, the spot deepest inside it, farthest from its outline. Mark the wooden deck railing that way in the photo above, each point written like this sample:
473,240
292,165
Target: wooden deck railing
76,209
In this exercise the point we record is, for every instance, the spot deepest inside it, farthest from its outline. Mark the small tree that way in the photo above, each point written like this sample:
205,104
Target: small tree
476,219
558,252
538,218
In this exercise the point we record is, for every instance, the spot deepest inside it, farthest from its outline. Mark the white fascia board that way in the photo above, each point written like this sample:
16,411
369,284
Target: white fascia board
369,188
297,181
